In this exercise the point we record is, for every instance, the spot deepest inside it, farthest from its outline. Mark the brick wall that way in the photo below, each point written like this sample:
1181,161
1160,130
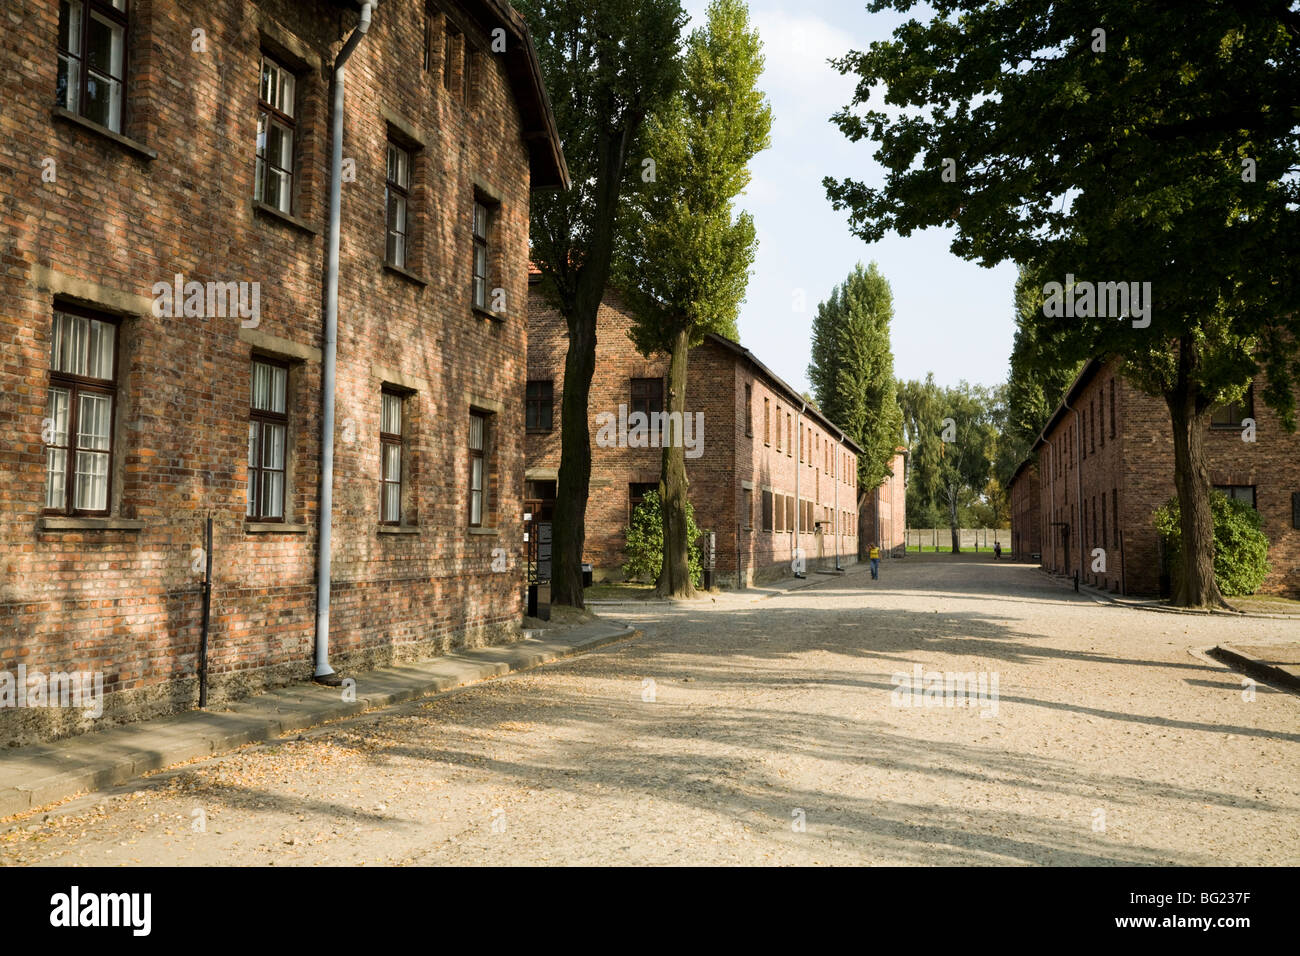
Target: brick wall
118,594
1125,460
884,513
1026,516
732,462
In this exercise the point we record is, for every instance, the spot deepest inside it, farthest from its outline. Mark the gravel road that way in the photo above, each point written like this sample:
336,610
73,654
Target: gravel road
739,731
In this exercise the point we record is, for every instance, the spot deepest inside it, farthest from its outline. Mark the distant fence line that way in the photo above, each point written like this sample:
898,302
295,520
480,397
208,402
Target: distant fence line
981,538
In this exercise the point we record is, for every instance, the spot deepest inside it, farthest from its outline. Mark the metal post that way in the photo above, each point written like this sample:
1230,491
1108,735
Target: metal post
207,616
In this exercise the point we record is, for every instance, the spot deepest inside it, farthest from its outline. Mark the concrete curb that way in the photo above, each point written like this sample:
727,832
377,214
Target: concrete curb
1090,591
1283,675
32,777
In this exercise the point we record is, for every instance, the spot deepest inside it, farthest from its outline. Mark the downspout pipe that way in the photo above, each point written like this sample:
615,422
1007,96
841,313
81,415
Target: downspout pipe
798,468
324,673
839,453
1078,482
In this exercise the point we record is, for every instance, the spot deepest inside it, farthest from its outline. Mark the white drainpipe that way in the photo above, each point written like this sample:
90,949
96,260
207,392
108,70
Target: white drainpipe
324,673
798,468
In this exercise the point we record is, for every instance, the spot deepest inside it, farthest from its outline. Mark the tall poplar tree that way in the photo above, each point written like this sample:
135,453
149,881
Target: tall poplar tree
608,64
852,370
688,259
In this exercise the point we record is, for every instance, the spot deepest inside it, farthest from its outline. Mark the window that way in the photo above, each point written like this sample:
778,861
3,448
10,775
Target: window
1232,414
647,396
1092,427
767,511
1105,537
1295,509
636,493
747,514
1101,410
453,68
428,40
1112,408
480,230
79,413
539,407
397,199
268,426
1244,493
390,451
275,136
789,512
1114,511
789,435
1083,445
779,523
749,410
473,76
779,426
767,421
92,60
478,440
801,452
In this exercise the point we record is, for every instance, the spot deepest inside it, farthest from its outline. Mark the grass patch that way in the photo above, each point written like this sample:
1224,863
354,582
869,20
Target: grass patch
625,591
1265,603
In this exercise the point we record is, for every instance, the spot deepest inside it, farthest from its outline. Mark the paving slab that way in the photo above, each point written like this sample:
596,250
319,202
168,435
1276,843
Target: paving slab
37,775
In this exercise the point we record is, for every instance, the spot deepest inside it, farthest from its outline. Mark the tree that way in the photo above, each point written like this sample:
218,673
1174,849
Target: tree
645,542
608,64
1036,384
852,370
1240,545
687,267
952,437
1116,148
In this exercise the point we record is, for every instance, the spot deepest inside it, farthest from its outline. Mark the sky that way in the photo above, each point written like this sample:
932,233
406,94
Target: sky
951,317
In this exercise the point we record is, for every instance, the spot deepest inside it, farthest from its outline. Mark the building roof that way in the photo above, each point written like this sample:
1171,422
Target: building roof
1086,375
523,69
782,386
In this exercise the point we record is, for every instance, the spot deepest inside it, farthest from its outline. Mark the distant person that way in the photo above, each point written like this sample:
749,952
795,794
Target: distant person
875,563
997,550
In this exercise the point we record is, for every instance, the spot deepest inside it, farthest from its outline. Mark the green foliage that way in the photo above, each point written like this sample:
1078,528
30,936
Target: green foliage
1115,142
1240,546
645,542
852,369
686,259
1037,381
607,64
947,475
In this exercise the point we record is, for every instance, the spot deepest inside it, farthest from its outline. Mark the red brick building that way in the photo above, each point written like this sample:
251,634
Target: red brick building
1105,463
192,151
767,463
883,520
1026,512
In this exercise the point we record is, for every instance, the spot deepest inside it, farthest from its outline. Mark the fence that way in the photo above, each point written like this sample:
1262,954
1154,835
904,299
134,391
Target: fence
971,539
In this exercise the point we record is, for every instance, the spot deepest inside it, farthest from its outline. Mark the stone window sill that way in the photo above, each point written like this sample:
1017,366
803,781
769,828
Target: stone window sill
76,119
405,274
55,523
274,527
266,209
399,529
487,531
489,314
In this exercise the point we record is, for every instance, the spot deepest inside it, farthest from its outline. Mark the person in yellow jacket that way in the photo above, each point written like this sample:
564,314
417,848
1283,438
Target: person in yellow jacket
875,562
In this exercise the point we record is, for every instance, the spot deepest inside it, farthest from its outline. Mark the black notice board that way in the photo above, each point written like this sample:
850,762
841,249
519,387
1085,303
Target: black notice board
543,551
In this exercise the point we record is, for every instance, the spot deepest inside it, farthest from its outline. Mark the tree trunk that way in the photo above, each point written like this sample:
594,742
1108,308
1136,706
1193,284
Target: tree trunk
952,521
1196,587
569,530
675,575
